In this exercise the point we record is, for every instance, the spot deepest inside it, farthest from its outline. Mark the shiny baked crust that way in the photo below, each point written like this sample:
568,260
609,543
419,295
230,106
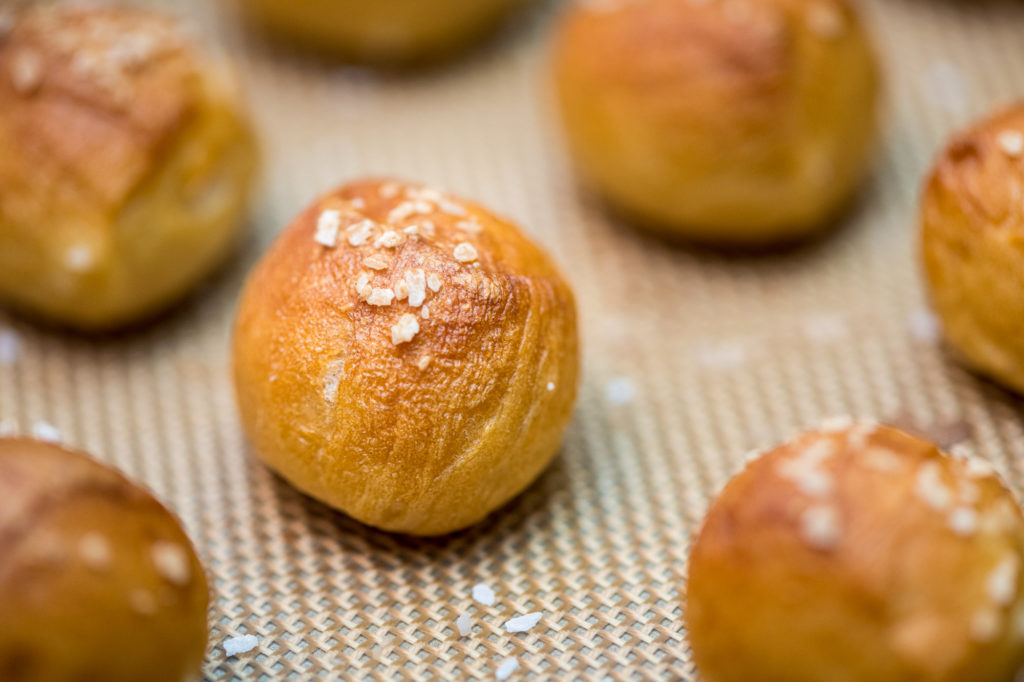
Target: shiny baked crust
126,164
732,121
972,244
859,554
384,32
415,424
97,579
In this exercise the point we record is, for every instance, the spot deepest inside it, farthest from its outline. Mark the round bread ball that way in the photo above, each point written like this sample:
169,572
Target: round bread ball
735,122
382,32
126,164
97,579
859,554
406,357
972,244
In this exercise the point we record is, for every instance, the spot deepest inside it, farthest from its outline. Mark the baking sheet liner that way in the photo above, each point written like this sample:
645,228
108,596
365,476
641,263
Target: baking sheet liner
690,359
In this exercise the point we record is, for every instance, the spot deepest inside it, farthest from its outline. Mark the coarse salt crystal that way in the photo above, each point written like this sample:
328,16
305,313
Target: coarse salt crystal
95,551
427,228
417,283
819,526
483,594
963,521
327,226
357,203
171,562
423,362
388,239
389,190
375,263
434,282
240,645
507,667
401,290
361,232
881,459
929,486
857,438
401,212
1002,581
450,207
469,226
465,253
380,296
26,71
464,624
46,431
619,391
363,285
551,385
979,468
405,330
523,623
425,312
1011,142
839,423
79,258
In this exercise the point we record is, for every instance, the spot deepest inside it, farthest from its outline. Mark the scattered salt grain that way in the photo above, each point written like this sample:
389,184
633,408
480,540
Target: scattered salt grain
240,645
470,226
357,203
388,190
327,226
483,594
434,282
1002,581
416,280
819,527
424,362
425,312
619,391
361,232
95,551
171,562
10,346
507,667
979,468
929,486
46,431
523,623
79,258
465,253
389,239
464,624
551,385
401,290
380,296
840,423
375,263
405,330
1011,142
963,521
363,285
450,207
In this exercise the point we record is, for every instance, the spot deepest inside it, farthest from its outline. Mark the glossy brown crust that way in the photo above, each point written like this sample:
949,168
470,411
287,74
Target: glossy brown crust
425,436
972,244
919,578
123,148
735,121
97,579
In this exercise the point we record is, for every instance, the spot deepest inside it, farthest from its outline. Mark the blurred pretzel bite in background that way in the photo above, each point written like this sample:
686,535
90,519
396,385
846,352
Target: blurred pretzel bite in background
97,579
126,165
384,32
972,244
859,553
406,357
735,122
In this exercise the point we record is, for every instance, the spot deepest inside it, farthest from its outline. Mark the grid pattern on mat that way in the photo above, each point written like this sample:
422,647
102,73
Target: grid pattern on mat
690,360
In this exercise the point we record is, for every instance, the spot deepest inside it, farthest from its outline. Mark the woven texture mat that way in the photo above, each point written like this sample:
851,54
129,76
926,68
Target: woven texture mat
690,360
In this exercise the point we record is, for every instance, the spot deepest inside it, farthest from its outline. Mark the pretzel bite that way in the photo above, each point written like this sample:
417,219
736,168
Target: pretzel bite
125,168
859,554
97,579
406,356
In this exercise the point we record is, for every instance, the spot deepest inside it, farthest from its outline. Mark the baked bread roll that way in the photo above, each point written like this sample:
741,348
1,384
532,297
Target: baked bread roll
97,579
972,243
384,32
859,554
126,164
406,357
736,122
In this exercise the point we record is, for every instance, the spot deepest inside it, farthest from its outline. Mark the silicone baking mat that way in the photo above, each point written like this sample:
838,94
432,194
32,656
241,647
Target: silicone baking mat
691,358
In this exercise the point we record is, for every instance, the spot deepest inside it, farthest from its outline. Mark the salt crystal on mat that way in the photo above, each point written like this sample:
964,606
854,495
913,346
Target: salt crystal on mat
240,645
483,594
46,431
464,624
507,667
523,623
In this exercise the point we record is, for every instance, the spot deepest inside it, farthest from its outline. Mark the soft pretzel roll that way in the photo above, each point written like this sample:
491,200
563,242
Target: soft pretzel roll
732,121
381,31
97,579
972,243
125,168
406,357
860,554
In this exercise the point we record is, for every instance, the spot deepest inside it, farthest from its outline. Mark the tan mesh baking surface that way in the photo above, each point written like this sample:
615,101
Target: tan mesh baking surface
690,360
